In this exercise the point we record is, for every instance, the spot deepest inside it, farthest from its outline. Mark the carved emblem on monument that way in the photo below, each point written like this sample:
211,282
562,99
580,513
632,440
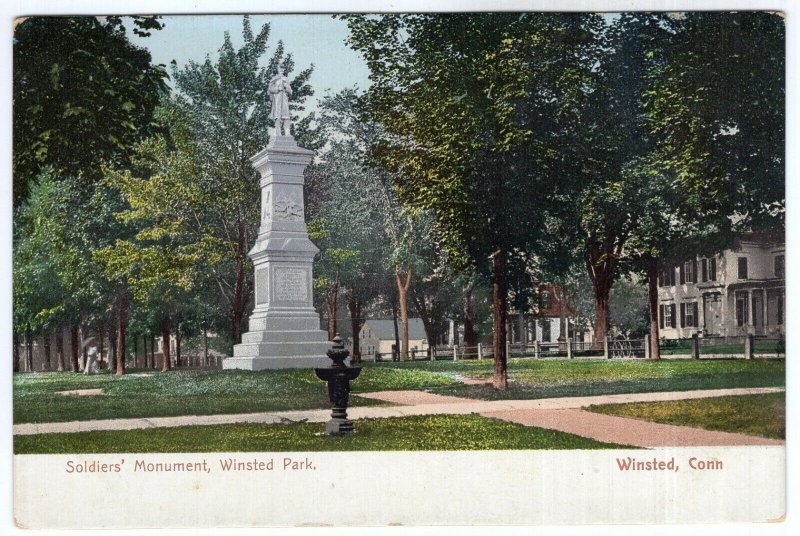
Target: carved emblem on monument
288,208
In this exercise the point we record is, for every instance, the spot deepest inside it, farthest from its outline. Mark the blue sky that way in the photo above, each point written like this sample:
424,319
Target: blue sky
317,39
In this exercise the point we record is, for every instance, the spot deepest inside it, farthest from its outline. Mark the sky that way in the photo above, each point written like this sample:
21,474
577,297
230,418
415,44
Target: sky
311,39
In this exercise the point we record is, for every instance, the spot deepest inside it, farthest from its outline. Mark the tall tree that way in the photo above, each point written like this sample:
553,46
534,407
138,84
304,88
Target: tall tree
83,94
448,90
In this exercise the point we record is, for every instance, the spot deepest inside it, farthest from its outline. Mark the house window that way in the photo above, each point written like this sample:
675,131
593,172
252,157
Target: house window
546,335
741,309
689,315
546,299
667,315
742,267
780,266
689,272
667,276
708,269
775,307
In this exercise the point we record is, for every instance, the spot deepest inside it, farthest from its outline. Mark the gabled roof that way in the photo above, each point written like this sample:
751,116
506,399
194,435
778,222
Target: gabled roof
384,329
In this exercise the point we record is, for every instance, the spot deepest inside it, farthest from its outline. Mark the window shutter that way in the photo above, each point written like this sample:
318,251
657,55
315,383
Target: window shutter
683,273
704,270
661,316
712,276
694,271
672,314
696,318
683,315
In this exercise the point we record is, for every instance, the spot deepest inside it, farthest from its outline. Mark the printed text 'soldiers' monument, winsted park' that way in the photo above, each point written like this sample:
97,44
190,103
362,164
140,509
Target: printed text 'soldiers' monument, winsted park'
284,327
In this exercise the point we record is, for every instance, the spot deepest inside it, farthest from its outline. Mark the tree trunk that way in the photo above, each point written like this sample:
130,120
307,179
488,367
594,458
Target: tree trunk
28,351
396,353
470,337
402,298
153,350
46,346
122,326
60,349
101,347
112,345
178,345
499,315
332,305
135,352
356,323
652,299
16,351
239,294
75,346
165,364
205,347
82,337
601,272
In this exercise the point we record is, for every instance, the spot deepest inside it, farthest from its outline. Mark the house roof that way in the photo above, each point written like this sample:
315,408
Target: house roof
384,329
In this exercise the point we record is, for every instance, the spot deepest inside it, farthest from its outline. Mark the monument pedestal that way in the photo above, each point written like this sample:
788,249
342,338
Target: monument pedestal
284,327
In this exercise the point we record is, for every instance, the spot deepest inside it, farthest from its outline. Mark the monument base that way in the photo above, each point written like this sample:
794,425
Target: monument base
271,363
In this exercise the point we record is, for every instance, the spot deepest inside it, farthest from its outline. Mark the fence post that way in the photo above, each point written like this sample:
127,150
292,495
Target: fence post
480,351
749,346
508,349
537,349
569,348
431,351
695,346
647,346
455,352
605,349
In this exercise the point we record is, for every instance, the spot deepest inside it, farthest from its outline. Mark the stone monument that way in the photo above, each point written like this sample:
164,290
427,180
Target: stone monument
284,327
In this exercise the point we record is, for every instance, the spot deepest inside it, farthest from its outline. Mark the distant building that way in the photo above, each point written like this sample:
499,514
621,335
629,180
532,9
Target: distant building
378,336
738,292
545,324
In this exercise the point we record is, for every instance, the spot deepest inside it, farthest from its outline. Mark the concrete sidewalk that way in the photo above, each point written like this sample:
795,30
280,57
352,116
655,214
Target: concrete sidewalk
564,414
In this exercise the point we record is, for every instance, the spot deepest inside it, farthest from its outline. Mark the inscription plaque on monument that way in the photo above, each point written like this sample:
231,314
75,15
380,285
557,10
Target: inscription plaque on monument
290,284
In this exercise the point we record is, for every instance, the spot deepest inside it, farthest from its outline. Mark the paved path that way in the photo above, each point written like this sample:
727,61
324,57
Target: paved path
564,414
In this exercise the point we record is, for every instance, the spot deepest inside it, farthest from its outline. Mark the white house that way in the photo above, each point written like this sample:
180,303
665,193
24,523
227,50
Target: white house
740,291
378,336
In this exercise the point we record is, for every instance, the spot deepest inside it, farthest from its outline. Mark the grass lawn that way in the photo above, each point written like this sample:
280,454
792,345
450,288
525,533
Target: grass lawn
231,391
431,432
759,415
531,378
194,392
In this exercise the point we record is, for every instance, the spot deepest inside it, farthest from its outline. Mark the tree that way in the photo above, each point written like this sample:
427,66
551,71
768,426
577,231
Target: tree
724,144
448,90
717,166
83,94
227,105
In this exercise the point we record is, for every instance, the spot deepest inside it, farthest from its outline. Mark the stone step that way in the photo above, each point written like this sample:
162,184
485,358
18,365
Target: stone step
279,362
254,337
301,323
267,349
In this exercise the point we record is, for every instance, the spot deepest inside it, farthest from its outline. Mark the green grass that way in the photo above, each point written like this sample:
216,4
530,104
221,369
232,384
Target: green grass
218,392
194,392
530,378
432,432
759,415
